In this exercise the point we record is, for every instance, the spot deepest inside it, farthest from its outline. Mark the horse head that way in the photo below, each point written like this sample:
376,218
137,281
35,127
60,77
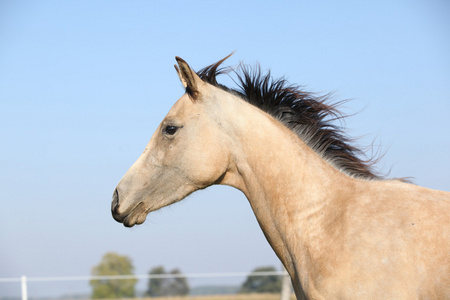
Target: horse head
186,153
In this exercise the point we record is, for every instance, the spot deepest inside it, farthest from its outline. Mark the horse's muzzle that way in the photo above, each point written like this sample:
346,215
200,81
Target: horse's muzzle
127,215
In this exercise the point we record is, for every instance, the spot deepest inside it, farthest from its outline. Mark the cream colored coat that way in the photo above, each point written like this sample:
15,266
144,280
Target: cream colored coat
338,237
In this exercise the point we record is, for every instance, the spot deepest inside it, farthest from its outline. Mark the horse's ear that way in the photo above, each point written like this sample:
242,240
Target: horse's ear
189,78
181,77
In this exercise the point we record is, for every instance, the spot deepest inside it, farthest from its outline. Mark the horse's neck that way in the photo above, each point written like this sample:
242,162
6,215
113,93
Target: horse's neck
291,189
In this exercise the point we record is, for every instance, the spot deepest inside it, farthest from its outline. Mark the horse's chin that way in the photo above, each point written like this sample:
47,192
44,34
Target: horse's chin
136,216
135,219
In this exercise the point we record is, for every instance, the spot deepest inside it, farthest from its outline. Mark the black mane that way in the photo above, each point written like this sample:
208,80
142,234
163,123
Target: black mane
309,116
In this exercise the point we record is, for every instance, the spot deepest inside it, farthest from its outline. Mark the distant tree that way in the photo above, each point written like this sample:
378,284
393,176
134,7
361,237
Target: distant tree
113,264
158,287
262,284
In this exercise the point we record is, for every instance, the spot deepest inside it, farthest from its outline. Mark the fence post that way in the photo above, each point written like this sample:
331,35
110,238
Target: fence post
24,288
285,285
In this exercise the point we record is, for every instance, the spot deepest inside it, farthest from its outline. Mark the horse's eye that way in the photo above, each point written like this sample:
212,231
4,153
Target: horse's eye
170,129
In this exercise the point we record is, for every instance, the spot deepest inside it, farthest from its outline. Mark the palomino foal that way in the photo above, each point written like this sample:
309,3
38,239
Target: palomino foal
341,231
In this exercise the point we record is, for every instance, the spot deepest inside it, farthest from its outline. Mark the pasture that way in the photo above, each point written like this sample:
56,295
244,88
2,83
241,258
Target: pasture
225,297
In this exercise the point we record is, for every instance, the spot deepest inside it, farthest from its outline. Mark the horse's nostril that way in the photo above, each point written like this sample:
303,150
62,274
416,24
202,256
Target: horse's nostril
115,207
115,201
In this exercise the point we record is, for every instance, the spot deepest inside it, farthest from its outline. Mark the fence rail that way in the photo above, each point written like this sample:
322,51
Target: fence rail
24,279
146,276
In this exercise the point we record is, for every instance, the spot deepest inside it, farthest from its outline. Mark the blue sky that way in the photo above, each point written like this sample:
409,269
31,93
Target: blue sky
83,85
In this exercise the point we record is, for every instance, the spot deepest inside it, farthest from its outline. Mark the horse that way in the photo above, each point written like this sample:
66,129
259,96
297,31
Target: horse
341,230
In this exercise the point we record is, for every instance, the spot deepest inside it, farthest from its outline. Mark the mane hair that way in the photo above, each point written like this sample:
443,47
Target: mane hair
306,114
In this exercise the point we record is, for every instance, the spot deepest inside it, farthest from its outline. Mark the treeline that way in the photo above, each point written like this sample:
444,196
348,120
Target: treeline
162,282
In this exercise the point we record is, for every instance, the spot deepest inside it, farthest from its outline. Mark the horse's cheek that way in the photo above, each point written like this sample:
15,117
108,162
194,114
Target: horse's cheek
207,168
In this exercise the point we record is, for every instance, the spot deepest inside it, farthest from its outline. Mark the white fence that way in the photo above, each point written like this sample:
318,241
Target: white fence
285,292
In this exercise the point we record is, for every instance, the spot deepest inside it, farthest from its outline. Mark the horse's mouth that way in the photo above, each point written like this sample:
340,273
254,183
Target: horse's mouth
135,217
